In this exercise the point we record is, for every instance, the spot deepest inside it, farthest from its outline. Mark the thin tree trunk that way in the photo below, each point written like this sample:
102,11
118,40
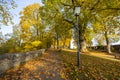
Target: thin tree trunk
108,43
57,42
37,32
54,43
64,41
63,44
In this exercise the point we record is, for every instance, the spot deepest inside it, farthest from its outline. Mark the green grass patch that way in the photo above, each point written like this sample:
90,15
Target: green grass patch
92,68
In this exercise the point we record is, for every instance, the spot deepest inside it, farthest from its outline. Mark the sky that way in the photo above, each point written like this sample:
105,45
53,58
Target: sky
15,12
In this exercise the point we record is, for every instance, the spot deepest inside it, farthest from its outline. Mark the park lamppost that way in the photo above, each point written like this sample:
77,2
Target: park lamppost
77,12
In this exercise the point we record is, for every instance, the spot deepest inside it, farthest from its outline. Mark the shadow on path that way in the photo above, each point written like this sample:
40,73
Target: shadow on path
47,67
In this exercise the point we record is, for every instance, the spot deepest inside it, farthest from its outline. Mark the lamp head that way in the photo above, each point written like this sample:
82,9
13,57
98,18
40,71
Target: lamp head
77,10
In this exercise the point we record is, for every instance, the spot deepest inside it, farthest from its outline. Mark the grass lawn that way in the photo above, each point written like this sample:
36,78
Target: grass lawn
93,67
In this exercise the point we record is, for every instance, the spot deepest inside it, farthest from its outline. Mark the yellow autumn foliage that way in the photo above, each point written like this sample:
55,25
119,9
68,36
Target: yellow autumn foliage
27,47
12,50
25,25
98,25
32,45
36,43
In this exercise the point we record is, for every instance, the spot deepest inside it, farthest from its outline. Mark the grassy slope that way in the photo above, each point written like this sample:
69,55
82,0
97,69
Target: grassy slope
93,68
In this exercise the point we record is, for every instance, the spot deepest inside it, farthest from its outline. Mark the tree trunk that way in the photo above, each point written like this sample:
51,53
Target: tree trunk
57,42
64,41
54,43
83,46
82,41
108,43
63,44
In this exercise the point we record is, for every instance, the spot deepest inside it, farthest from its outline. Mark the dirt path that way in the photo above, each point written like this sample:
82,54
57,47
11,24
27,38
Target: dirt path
47,67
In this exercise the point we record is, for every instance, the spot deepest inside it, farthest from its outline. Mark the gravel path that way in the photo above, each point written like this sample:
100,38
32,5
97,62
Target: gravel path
46,67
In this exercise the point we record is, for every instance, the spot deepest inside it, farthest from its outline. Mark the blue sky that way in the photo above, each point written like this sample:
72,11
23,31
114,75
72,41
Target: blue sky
15,12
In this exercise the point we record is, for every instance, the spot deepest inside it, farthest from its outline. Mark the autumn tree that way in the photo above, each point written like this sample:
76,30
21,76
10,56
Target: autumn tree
33,26
108,30
5,14
30,21
90,9
61,30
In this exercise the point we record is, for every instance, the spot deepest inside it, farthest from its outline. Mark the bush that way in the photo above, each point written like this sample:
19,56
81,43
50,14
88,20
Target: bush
32,46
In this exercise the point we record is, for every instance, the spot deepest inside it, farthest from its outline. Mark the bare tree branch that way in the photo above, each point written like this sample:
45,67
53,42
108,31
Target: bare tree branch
69,21
93,7
65,4
111,9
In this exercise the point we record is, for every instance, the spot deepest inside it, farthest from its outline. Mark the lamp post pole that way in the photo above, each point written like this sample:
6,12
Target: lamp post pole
77,11
78,52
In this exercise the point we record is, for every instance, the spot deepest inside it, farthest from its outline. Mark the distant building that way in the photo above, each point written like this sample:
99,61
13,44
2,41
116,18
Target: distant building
73,44
117,43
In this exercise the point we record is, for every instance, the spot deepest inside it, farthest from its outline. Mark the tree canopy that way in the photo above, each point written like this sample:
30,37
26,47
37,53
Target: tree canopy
53,23
5,14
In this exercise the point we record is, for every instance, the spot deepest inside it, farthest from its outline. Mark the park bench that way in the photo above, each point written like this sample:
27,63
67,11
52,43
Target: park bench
117,55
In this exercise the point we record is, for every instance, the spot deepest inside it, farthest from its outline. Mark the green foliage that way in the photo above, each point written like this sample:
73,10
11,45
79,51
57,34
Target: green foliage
91,11
93,68
8,46
110,25
3,49
60,29
89,35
